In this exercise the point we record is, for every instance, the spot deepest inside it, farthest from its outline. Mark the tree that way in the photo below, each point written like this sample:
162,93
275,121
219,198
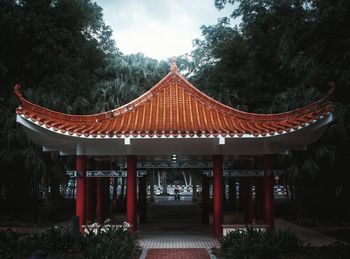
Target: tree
279,58
55,49
127,77
63,54
296,43
55,45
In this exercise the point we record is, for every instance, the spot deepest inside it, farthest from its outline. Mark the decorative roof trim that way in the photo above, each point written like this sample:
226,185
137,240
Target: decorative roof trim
171,136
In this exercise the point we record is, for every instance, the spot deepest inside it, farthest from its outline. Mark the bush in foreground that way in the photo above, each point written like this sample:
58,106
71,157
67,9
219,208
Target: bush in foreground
253,244
58,242
109,243
55,242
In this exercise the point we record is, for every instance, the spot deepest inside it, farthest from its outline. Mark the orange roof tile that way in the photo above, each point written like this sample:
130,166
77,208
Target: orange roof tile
173,107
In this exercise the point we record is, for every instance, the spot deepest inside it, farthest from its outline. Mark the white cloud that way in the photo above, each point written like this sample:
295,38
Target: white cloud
159,28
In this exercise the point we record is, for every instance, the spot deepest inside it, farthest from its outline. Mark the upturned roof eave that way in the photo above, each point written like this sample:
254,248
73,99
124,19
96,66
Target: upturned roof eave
255,122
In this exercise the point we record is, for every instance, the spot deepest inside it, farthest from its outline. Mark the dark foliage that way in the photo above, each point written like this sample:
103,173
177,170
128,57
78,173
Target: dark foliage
109,243
64,56
280,57
55,242
254,244
58,242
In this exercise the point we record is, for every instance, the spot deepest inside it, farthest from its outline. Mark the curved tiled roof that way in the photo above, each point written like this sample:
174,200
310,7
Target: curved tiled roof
173,107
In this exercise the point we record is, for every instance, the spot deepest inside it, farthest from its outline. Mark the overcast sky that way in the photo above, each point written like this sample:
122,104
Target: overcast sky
159,28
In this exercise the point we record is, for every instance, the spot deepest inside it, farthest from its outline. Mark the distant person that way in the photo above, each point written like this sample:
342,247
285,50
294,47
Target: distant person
177,194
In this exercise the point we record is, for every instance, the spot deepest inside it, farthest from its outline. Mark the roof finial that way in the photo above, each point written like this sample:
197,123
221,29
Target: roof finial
173,66
331,86
17,90
18,93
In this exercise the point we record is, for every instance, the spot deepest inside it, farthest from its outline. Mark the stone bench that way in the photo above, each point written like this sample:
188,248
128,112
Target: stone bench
242,228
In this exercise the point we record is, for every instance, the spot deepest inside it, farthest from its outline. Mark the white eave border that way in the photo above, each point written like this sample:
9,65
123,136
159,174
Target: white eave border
21,117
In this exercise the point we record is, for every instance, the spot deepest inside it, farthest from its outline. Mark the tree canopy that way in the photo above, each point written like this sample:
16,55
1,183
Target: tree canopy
63,54
281,56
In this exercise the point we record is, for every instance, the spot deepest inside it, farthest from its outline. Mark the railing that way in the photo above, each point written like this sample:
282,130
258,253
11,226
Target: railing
96,228
226,229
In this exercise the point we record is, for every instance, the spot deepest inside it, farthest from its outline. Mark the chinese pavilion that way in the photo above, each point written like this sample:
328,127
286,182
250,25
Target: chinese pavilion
171,118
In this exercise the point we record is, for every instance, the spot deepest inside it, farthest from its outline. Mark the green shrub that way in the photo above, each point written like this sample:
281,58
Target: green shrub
58,242
54,242
13,245
54,210
254,244
113,243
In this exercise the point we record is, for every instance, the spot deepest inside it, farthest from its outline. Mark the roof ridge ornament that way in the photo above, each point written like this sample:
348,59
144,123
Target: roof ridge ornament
17,88
331,86
18,93
173,67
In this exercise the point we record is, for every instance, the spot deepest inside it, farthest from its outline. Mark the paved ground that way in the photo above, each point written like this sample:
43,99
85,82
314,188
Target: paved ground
179,235
193,253
305,234
177,225
174,231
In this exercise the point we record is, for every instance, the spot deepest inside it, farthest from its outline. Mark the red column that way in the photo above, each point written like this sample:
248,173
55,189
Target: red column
269,216
143,199
80,209
91,199
100,199
259,193
131,193
218,194
205,199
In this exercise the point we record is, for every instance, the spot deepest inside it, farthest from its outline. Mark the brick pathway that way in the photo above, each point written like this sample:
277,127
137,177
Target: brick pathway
191,253
175,225
184,241
174,231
